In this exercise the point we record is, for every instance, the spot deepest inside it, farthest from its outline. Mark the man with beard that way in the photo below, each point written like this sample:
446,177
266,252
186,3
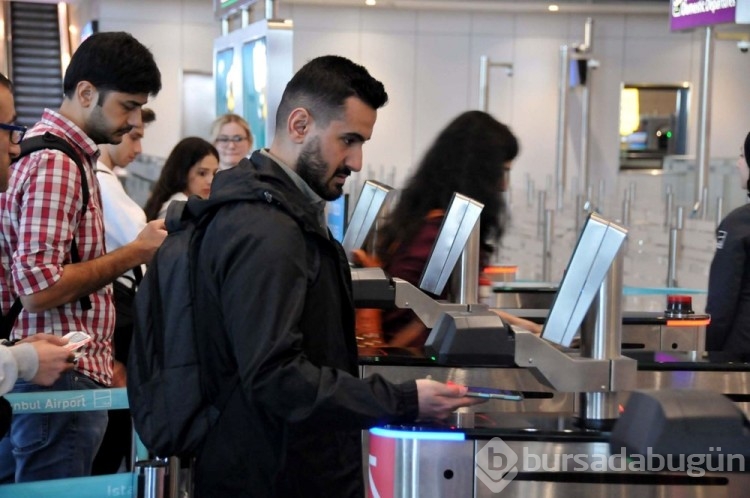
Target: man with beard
44,220
274,290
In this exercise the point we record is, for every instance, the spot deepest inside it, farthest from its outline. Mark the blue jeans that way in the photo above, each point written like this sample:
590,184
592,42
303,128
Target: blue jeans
52,445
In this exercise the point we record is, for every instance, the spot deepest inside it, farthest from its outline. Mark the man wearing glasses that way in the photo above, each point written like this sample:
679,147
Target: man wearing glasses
43,359
43,217
12,134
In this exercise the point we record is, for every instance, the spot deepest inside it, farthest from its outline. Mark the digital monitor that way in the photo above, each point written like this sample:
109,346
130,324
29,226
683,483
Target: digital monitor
226,81
370,202
596,249
254,89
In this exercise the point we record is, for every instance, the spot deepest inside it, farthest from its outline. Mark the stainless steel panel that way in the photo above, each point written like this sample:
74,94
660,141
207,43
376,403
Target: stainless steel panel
597,248
370,202
463,213
523,300
736,383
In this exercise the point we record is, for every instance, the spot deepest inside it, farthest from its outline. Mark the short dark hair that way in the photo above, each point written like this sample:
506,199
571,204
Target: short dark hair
113,61
4,81
147,115
322,86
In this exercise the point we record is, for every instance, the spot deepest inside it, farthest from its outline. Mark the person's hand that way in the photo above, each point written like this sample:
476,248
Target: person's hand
54,339
119,375
53,358
150,238
438,400
532,327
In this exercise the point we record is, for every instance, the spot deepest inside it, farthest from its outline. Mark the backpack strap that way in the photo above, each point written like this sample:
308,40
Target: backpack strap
28,146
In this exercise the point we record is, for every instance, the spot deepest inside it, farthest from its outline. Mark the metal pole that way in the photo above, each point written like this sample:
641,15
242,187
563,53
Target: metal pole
585,127
484,86
562,125
704,204
626,209
547,245
704,120
148,478
529,191
541,209
468,290
719,209
669,209
672,257
271,12
600,408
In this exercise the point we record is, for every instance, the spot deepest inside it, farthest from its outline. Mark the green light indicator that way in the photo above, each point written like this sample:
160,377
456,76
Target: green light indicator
433,358
669,134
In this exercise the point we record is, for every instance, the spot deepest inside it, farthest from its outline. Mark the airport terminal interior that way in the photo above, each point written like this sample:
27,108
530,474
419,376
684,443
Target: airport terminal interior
631,118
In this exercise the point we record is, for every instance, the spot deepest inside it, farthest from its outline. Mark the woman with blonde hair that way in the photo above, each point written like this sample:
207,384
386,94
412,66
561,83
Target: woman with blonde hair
231,136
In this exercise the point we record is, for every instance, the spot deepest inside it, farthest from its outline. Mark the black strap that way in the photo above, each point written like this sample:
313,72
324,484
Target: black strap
28,146
6,326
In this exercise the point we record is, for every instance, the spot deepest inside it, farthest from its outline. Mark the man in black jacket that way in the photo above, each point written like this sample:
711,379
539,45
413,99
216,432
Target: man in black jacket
728,300
280,289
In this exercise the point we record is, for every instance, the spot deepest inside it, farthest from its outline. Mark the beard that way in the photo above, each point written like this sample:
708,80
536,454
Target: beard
313,169
99,131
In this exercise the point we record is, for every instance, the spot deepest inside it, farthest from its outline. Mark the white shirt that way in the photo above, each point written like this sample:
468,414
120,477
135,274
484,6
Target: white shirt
123,217
179,196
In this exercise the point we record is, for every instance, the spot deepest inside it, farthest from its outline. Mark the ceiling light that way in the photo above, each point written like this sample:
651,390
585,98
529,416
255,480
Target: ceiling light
553,8
370,2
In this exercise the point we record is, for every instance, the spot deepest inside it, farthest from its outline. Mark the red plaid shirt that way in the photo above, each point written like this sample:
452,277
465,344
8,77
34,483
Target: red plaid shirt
40,214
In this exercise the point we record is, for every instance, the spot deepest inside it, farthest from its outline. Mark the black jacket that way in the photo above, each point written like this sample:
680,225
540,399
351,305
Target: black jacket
728,300
279,292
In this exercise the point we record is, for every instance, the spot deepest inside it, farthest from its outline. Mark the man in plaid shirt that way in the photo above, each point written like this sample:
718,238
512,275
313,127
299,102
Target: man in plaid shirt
109,79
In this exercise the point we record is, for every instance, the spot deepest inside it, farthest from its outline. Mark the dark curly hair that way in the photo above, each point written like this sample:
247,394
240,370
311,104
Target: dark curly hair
469,157
174,175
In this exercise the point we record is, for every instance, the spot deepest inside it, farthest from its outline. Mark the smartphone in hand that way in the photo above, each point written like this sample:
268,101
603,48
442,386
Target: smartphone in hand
76,340
492,393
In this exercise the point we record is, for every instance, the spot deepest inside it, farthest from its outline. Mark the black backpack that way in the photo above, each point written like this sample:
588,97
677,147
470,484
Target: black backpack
166,387
34,144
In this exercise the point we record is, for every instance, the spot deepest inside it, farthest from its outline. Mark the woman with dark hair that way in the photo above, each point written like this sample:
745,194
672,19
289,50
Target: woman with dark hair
728,300
189,170
471,156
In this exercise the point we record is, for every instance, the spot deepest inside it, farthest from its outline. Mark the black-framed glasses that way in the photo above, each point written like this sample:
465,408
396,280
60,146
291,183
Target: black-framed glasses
223,139
16,132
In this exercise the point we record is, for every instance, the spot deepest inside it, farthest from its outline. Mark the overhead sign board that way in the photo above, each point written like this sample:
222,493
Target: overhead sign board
223,8
688,14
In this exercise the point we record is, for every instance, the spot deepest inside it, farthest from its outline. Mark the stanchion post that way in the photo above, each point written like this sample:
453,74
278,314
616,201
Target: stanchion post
148,478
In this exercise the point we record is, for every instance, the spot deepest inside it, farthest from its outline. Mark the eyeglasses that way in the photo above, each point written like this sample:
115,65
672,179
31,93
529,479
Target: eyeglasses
16,132
223,139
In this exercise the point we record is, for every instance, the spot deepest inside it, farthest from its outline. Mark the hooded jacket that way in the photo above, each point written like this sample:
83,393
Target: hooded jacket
276,289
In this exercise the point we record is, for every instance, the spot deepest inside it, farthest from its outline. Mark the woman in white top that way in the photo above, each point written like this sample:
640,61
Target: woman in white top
189,170
231,136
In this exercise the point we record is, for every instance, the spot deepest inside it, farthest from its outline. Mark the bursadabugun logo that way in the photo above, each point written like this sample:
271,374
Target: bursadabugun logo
496,465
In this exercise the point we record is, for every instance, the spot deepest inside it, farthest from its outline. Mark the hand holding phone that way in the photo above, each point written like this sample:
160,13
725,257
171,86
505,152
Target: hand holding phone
492,393
76,340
